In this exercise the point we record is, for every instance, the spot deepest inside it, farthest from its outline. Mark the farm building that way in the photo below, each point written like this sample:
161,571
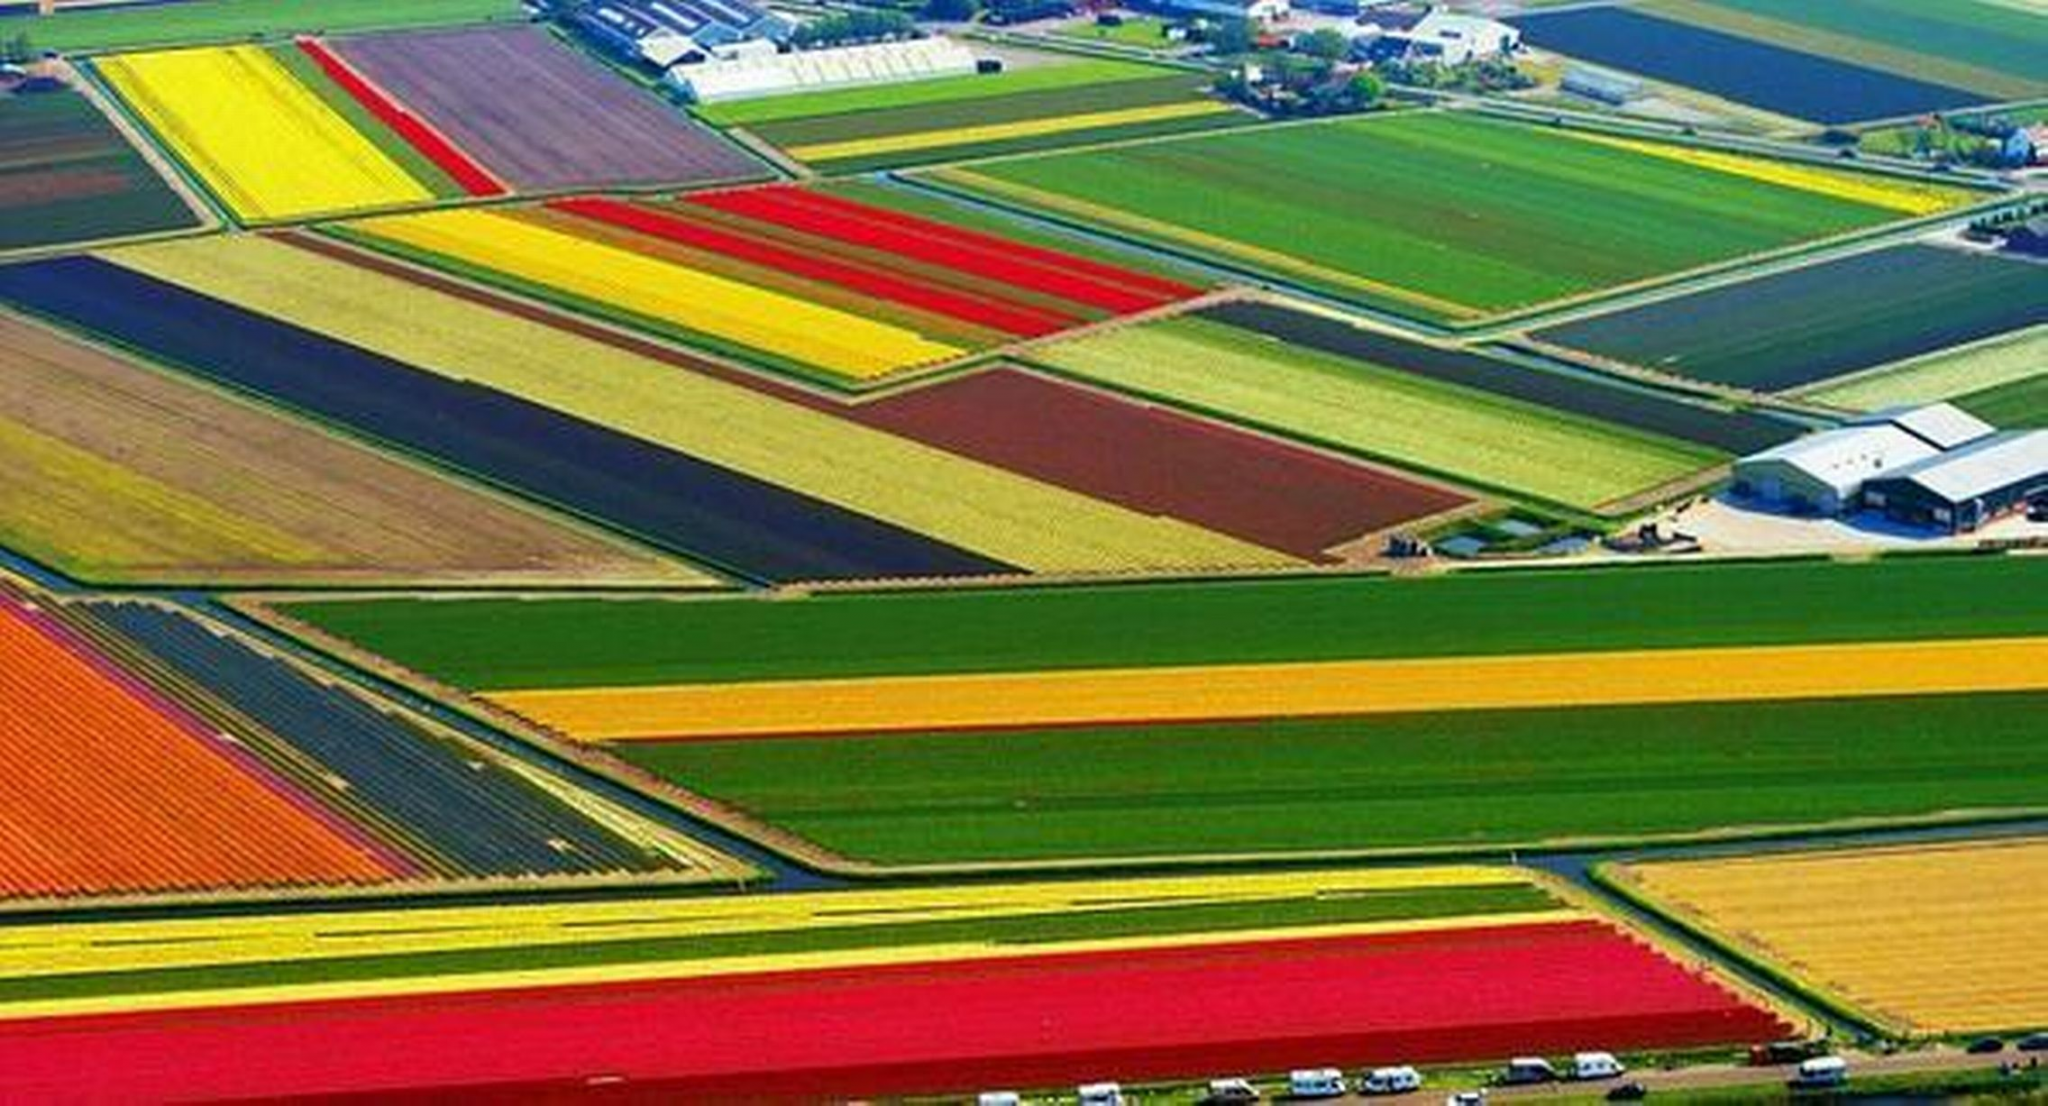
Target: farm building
1965,488
1603,85
1256,11
771,74
662,33
1825,473
1449,38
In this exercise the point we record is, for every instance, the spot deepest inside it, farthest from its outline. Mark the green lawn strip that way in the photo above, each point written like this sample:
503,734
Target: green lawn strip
540,643
1143,32
1052,103
195,21
570,301
1482,213
944,90
1989,48
986,220
65,122
1978,367
1022,930
1462,779
1057,140
417,165
1466,434
2021,403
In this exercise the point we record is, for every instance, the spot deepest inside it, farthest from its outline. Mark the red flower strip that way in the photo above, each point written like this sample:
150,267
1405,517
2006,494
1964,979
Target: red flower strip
1010,318
1039,270
474,178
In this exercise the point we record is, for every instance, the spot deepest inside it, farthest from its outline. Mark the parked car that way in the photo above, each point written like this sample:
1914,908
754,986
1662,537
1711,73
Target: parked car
1100,1094
1984,1046
1523,1070
1466,1098
1596,1065
999,1098
1821,1071
1400,1079
2034,1042
1628,1092
1225,1091
1316,1083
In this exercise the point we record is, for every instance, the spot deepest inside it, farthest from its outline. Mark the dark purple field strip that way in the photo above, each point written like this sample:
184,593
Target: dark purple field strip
728,519
1731,431
539,116
1789,82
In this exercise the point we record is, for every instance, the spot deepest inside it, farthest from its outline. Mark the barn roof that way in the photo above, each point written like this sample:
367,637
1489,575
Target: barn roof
1981,467
1843,459
1941,425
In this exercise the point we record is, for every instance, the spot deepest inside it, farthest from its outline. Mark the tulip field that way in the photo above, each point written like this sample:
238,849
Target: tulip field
1935,953
983,986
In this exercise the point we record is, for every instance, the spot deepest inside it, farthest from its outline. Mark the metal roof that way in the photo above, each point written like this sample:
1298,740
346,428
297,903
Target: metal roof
1843,459
1982,467
1941,425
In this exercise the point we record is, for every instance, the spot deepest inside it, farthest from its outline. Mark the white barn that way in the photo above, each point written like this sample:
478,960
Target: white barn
1825,473
771,74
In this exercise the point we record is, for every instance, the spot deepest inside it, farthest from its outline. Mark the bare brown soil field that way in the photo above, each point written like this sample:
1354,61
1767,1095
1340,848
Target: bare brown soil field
114,472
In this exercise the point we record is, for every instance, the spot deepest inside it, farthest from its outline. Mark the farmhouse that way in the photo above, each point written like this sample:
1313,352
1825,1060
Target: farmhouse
662,33
1966,488
1255,11
770,73
1448,38
1826,472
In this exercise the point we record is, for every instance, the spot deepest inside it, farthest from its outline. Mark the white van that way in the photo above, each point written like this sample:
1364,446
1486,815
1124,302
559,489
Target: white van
1528,1069
1822,1071
1231,1090
1100,1094
1596,1065
999,1098
1316,1083
1397,1080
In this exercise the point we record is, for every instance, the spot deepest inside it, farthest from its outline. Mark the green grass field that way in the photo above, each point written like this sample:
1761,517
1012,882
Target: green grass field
1978,367
1477,780
2019,403
1142,31
495,644
1443,216
1467,435
1993,47
1055,73
144,25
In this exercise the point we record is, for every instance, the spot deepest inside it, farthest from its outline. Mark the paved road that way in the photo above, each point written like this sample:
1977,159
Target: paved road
1708,1076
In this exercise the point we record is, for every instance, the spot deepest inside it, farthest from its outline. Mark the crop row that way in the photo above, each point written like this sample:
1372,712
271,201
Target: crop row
67,175
1436,996
473,178
170,806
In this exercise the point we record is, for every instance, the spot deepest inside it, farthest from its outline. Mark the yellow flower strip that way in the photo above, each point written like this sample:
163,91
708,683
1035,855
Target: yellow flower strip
1932,938
66,948
1001,132
1892,194
742,965
267,145
783,325
1198,693
1211,243
1036,526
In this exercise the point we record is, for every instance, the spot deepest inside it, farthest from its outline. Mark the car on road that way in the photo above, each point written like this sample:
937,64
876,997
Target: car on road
1222,1092
1466,1098
1596,1065
2034,1042
1984,1046
1628,1092
1400,1079
1820,1072
1100,1094
1316,1083
1523,1070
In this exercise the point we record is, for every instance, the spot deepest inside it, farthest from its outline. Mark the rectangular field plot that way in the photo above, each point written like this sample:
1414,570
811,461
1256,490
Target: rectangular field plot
1833,921
538,116
1808,325
66,175
737,475
117,473
1980,367
1990,47
111,789
262,137
1468,217
1767,71
2017,403
488,645
135,26
1378,783
1371,408
1022,1017
1005,116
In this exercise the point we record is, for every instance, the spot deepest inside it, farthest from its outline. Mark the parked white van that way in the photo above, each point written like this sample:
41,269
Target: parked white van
1528,1069
1395,1080
1100,1094
1596,1065
1316,1083
1822,1071
999,1098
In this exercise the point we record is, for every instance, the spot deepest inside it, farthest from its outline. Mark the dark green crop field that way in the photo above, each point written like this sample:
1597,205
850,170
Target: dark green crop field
511,643
2022,403
1477,779
1806,325
1429,213
66,175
